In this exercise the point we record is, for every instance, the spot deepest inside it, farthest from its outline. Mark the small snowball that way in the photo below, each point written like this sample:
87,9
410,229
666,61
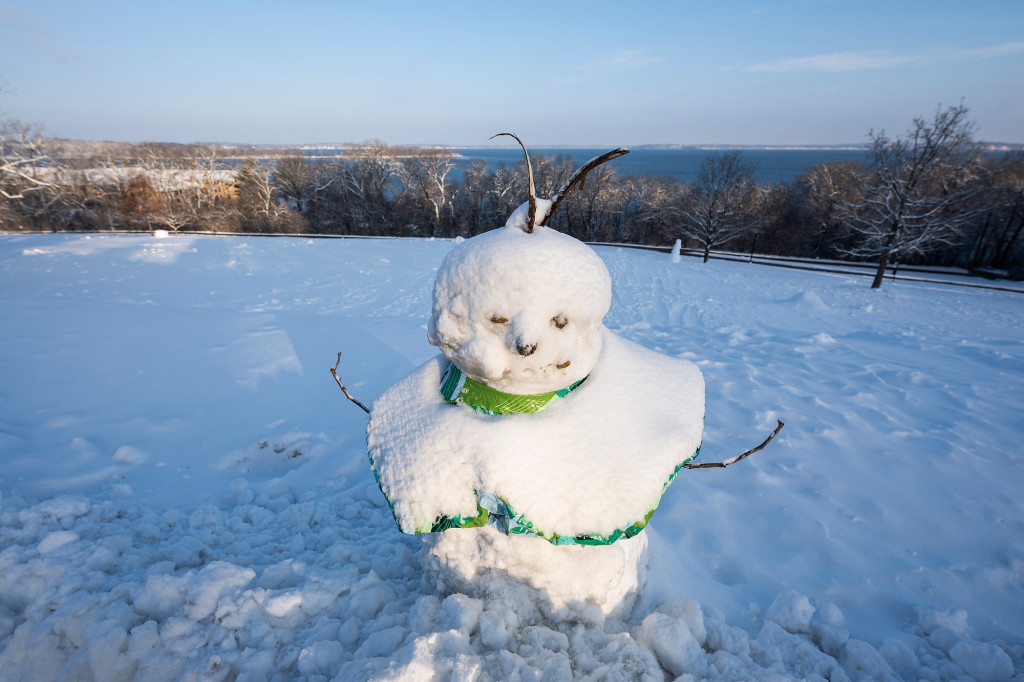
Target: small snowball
673,644
690,612
493,634
461,613
793,611
128,454
943,638
829,614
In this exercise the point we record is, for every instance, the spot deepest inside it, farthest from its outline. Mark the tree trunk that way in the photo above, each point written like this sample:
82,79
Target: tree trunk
883,263
707,252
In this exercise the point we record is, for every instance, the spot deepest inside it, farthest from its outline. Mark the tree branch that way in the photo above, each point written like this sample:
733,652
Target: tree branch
733,460
579,177
334,373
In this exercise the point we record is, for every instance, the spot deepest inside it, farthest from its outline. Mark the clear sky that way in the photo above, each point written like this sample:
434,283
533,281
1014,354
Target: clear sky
557,72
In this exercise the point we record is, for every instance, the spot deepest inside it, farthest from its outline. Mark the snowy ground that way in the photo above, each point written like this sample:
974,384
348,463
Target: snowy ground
185,492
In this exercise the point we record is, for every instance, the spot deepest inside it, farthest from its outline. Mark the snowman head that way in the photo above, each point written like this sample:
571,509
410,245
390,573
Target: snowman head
520,309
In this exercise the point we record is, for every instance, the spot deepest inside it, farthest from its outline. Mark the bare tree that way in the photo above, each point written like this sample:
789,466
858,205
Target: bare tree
594,211
712,213
258,203
764,204
29,177
22,160
292,177
377,166
914,199
506,182
428,174
814,224
652,207
995,236
471,196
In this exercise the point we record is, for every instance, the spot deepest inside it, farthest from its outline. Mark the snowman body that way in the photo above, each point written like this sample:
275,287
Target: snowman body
535,448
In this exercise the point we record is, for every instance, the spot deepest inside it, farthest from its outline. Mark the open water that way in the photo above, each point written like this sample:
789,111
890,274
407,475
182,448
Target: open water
770,165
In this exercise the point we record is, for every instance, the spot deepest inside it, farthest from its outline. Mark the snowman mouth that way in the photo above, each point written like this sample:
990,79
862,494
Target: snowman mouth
542,371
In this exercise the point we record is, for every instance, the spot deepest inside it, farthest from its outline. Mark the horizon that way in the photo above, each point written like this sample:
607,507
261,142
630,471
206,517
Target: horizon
799,73
991,145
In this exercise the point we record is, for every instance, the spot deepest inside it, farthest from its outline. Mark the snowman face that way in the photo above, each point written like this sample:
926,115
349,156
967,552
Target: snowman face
521,312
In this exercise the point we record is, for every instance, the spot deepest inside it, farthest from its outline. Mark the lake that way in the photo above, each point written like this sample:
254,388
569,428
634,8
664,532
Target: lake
770,165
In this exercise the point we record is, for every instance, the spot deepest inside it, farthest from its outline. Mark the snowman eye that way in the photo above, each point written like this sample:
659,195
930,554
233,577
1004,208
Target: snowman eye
498,319
560,321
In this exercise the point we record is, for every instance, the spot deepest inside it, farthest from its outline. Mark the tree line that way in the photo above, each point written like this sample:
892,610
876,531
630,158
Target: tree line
931,196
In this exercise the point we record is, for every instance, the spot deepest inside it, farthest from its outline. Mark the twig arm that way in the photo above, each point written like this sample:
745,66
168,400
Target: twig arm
733,460
334,373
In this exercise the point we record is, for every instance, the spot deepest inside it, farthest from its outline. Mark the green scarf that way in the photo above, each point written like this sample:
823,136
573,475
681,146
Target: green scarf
456,387
492,510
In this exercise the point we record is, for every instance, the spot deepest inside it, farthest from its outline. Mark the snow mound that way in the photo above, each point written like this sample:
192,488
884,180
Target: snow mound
890,502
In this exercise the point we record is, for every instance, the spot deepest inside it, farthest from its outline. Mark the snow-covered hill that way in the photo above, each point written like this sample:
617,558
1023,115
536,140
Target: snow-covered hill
185,491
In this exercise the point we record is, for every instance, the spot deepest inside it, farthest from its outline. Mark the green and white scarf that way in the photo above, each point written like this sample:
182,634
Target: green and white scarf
456,387
495,511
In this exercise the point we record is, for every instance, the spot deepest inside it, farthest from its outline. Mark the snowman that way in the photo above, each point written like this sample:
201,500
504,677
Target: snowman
533,451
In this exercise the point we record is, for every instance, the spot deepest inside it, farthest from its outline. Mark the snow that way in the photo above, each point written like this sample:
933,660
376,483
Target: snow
522,313
538,580
588,465
506,288
185,492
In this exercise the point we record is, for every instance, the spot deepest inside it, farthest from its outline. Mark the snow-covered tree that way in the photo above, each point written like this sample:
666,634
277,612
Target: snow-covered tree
28,176
819,195
21,159
428,176
712,213
914,198
259,208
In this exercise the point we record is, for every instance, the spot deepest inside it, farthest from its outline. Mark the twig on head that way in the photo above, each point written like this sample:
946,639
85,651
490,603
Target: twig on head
334,373
733,460
532,215
579,177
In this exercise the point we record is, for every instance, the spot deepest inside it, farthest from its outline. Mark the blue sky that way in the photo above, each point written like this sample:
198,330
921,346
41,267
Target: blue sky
556,72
